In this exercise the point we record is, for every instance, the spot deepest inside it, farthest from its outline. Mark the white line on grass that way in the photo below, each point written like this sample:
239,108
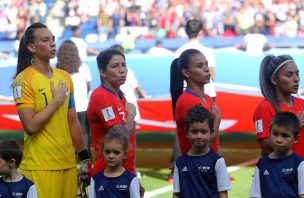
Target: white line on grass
170,187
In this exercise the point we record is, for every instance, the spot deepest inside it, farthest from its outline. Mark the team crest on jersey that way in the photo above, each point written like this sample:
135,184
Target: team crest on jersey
204,168
108,113
287,171
17,92
122,187
259,126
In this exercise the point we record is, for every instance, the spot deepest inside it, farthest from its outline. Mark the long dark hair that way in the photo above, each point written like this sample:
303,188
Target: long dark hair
24,55
268,65
176,77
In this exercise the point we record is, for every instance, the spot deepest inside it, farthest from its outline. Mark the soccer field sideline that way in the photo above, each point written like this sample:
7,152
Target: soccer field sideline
230,169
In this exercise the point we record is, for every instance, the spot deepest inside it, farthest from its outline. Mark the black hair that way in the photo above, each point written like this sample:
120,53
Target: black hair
200,114
10,149
287,119
105,56
117,133
193,27
74,28
176,77
118,47
267,67
24,55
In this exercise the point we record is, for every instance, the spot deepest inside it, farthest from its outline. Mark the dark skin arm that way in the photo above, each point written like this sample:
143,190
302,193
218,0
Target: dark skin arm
265,146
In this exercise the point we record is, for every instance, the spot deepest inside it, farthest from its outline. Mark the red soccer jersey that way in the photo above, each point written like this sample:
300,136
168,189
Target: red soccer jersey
265,112
106,110
183,104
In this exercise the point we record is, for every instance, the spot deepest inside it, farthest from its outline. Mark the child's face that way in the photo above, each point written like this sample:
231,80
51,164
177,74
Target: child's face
199,134
113,153
4,166
281,139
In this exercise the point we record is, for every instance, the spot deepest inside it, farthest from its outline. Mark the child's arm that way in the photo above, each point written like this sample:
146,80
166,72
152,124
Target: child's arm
301,179
223,194
255,190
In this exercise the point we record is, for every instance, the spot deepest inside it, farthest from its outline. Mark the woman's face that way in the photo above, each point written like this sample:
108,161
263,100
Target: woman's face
43,45
287,79
198,71
115,73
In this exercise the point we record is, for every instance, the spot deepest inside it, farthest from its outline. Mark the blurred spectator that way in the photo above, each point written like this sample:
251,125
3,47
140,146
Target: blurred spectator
254,43
103,25
116,22
37,11
159,50
82,46
17,41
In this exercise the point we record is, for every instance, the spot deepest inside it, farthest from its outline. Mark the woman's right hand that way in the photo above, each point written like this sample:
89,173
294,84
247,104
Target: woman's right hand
300,115
60,93
130,108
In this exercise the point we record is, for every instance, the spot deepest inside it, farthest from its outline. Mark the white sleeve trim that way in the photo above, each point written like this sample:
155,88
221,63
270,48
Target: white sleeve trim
222,176
176,186
92,189
32,192
301,178
255,190
134,188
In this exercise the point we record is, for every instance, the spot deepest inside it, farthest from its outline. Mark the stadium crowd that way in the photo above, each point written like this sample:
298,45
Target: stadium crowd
167,18
160,18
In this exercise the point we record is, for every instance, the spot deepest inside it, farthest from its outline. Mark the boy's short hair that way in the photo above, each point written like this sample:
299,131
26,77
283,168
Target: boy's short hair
193,27
119,134
10,149
287,119
198,113
74,28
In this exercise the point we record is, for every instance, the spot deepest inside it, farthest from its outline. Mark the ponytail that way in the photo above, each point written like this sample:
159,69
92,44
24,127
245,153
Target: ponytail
24,57
268,68
176,83
176,76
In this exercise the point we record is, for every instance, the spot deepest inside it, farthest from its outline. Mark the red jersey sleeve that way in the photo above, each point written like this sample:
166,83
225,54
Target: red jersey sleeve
262,118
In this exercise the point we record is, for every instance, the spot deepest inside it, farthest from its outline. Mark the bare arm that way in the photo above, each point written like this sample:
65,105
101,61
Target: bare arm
301,196
140,92
176,195
217,121
89,86
33,122
92,51
223,194
6,98
265,146
75,130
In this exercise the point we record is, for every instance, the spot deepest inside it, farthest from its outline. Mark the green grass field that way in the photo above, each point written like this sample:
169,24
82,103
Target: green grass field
154,152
